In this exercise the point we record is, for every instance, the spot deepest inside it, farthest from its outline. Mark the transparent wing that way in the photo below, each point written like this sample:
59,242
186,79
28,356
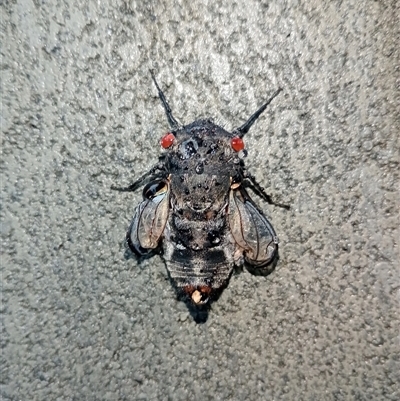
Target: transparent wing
251,229
150,218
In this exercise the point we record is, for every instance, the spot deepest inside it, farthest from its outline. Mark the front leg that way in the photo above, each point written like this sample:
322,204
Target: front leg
153,173
260,191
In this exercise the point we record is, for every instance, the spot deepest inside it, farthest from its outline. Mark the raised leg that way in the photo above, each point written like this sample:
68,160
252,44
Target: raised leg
260,191
150,174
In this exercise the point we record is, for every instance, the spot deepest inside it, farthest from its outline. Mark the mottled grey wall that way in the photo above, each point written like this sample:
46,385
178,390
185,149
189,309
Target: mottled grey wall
79,113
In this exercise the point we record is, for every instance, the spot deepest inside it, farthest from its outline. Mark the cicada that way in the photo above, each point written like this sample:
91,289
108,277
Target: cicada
196,209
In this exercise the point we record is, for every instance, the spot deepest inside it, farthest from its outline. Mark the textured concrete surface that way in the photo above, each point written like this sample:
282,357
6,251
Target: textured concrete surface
79,113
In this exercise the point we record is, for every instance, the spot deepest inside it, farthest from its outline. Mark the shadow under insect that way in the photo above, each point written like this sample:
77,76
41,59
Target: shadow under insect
197,212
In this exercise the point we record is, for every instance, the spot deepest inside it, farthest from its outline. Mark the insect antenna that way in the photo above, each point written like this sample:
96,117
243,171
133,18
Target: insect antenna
241,131
171,120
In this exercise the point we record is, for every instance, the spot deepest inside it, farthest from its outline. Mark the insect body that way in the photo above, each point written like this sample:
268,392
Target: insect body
197,211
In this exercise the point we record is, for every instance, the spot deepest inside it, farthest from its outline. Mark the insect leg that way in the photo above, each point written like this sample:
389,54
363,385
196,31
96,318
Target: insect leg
260,191
135,185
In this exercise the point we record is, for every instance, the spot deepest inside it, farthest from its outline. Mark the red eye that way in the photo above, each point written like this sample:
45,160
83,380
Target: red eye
167,140
237,144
